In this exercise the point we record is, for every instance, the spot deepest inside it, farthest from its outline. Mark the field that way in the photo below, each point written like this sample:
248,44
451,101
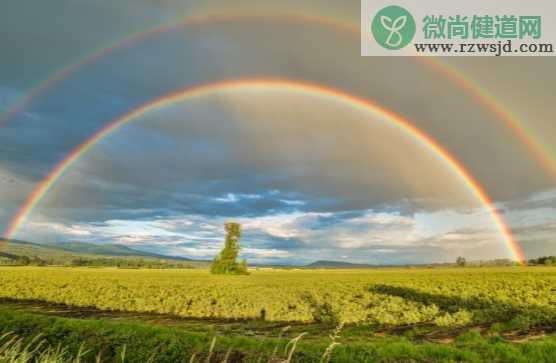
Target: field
421,306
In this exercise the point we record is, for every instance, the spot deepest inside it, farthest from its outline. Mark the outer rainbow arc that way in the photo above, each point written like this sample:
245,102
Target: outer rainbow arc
131,40
526,136
205,89
539,150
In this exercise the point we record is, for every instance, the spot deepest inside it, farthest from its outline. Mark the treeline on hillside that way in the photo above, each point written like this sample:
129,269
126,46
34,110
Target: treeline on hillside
10,259
498,262
545,261
540,261
127,263
15,260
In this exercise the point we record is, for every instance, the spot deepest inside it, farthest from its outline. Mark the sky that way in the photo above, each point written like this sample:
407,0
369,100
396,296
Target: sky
308,177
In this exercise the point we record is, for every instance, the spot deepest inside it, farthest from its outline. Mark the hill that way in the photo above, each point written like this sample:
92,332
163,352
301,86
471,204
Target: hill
336,264
115,250
87,253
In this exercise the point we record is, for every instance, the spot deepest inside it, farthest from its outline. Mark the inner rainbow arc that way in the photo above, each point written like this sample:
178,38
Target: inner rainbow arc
405,125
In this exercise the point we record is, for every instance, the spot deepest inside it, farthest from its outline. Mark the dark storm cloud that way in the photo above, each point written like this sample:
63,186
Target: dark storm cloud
537,239
534,248
539,200
38,38
548,230
138,74
511,161
262,240
195,175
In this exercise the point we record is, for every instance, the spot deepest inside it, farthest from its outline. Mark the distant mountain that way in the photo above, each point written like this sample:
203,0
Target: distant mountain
336,264
62,252
14,248
111,250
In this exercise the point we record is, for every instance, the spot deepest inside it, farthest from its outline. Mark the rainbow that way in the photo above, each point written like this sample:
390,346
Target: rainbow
58,77
521,131
323,92
538,149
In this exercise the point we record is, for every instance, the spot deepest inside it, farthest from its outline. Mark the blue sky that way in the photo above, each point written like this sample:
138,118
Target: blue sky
307,179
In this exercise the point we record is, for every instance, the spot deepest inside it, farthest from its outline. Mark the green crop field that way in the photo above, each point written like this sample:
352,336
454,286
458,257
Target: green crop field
513,303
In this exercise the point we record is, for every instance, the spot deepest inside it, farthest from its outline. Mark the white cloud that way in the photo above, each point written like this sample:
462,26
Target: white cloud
197,252
233,198
326,235
293,202
228,198
79,230
383,218
265,253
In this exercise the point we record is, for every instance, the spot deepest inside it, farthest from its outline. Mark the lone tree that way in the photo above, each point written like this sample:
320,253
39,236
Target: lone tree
461,261
226,261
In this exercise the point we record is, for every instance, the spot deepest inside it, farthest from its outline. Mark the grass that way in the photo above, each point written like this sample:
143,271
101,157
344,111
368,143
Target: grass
41,339
390,315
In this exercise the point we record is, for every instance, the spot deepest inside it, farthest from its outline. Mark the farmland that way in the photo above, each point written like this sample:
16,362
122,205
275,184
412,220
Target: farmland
514,303
380,297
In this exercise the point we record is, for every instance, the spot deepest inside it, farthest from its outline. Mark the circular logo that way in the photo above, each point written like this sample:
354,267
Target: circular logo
393,27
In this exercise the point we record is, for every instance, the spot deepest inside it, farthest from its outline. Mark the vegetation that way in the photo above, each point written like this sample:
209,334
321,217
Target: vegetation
520,298
371,315
15,260
546,261
128,263
226,261
19,253
44,339
100,341
98,262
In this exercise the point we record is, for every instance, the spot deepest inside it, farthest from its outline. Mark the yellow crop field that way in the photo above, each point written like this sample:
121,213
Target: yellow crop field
525,296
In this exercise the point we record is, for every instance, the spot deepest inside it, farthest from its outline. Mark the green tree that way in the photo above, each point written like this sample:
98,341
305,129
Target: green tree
544,260
243,266
226,261
23,260
461,262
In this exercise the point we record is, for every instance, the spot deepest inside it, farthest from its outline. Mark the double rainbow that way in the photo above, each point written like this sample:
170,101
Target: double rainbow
525,134
327,94
520,130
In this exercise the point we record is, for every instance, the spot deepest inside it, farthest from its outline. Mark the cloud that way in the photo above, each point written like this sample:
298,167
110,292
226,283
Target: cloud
234,198
264,253
72,231
120,83
287,237
545,200
309,176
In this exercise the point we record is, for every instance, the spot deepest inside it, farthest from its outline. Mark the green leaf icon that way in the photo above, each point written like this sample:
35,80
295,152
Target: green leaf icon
393,27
